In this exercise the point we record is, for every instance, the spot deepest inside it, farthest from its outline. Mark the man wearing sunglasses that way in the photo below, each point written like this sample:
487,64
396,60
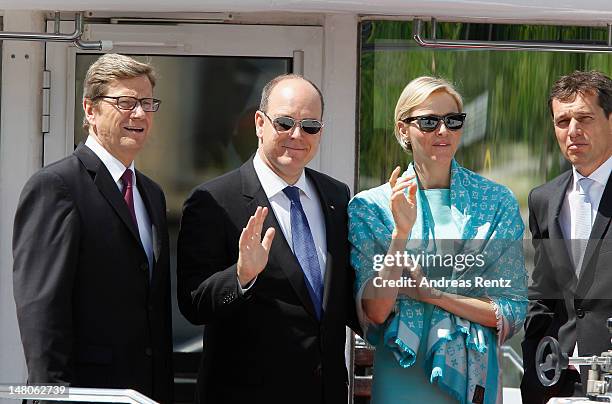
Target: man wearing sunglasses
91,268
263,262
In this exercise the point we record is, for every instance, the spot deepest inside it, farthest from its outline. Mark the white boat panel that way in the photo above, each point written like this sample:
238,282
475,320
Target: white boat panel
567,11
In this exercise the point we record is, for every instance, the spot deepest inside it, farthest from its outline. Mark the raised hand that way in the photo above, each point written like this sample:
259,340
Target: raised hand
252,250
403,206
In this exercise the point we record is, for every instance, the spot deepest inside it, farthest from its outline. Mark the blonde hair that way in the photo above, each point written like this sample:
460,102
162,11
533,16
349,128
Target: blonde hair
110,67
415,93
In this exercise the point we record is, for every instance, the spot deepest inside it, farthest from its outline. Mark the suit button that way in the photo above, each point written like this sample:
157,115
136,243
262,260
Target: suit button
579,313
144,267
148,351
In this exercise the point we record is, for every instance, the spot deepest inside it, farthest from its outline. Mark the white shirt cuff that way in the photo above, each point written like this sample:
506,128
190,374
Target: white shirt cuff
248,286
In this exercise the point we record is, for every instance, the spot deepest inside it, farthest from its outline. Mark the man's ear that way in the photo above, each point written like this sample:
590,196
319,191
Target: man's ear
88,108
259,123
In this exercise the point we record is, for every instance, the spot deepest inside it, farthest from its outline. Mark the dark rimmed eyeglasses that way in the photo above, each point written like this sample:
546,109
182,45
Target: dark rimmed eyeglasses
429,123
286,123
128,103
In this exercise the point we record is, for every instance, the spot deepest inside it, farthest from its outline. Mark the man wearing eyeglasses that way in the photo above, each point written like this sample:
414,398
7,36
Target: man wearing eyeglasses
263,262
90,246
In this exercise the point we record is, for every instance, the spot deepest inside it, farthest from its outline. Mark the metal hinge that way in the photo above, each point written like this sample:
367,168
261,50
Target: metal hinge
46,101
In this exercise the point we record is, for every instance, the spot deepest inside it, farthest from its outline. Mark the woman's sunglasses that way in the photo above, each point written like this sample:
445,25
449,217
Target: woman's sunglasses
285,123
429,123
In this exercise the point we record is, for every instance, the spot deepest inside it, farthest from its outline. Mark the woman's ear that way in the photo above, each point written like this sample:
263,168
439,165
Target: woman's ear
402,129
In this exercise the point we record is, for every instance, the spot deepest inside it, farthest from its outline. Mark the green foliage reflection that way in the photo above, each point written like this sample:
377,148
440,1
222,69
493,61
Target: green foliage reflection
508,136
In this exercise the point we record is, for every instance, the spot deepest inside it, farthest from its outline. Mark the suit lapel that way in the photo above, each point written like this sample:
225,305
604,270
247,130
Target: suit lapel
156,221
280,252
600,226
108,187
154,214
560,258
604,213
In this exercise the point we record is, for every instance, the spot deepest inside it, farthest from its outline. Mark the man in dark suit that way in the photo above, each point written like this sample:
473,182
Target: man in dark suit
569,218
90,246
263,262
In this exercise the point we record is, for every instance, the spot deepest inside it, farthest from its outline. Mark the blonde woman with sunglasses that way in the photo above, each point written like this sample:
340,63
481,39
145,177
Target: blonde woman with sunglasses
441,280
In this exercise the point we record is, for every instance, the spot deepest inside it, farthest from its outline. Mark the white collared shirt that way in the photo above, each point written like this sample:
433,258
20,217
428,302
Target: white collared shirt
567,218
273,186
116,170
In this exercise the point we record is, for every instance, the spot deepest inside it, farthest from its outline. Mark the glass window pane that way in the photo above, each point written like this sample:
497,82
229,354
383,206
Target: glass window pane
508,135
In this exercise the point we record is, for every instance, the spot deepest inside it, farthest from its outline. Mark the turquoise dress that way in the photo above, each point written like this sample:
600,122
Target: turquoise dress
392,382
424,352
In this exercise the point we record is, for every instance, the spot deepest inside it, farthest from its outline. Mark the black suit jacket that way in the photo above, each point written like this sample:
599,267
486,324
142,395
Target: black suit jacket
266,345
87,311
562,305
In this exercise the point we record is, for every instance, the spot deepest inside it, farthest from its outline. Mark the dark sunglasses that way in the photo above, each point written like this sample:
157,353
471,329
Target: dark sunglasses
128,103
429,123
285,123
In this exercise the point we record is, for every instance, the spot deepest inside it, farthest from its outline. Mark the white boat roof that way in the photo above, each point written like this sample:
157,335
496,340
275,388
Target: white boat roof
586,12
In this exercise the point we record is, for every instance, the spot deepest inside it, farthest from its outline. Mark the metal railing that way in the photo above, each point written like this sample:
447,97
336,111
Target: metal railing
513,357
74,37
433,42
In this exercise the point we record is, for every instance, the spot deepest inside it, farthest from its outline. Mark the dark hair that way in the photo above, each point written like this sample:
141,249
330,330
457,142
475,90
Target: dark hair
567,87
265,93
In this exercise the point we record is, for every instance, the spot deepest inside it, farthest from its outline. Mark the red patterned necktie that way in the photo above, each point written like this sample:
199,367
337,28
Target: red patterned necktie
128,193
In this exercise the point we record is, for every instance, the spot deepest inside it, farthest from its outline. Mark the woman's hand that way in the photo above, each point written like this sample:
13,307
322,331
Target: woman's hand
419,288
403,206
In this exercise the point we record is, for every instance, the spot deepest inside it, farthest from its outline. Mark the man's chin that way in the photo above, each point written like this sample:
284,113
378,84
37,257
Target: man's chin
577,159
289,167
289,164
133,142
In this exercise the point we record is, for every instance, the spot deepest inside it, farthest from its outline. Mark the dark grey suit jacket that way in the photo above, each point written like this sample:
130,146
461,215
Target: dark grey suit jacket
88,314
561,304
266,346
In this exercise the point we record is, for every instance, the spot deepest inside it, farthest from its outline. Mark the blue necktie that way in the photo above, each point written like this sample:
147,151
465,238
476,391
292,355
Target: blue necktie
304,248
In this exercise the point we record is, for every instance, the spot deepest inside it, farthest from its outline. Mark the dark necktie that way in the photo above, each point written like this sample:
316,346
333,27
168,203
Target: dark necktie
304,248
128,193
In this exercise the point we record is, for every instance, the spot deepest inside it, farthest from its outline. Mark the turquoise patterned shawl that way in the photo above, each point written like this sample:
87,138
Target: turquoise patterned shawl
460,355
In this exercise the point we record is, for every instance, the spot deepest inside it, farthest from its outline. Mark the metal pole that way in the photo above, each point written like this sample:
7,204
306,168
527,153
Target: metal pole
506,45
